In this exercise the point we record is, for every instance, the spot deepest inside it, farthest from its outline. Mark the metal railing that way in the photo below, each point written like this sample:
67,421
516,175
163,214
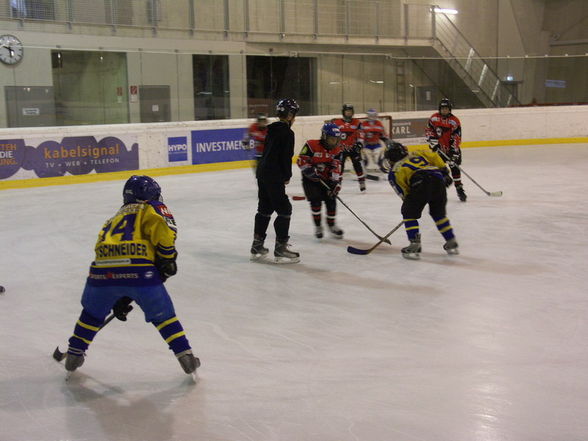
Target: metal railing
244,19
360,18
468,63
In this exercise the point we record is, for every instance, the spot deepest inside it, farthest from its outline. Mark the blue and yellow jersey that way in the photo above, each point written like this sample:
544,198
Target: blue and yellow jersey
425,160
129,244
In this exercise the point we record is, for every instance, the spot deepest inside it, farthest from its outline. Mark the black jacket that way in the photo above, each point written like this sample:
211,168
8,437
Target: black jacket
276,163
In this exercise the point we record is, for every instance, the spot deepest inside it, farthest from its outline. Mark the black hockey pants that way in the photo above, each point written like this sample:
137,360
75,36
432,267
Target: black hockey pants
272,197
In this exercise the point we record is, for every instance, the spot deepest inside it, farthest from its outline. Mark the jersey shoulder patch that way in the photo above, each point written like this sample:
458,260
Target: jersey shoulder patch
161,209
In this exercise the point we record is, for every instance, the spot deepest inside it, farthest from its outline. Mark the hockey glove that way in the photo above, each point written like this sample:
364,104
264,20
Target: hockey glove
357,147
453,155
433,144
166,267
335,188
122,307
310,173
446,177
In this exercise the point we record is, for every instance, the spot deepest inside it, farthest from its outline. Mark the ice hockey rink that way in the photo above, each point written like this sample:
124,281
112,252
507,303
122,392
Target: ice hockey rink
488,345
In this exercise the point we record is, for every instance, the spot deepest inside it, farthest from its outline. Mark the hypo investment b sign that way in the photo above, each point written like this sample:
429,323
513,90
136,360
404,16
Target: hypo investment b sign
222,145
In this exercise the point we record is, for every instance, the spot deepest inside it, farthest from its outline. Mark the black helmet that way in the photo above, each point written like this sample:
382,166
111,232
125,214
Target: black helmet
347,107
445,103
395,152
286,106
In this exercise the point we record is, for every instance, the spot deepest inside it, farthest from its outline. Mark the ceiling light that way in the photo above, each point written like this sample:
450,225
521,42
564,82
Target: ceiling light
445,11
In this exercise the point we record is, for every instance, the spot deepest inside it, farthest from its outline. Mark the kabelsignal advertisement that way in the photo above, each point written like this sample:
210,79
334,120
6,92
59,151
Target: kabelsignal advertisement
75,155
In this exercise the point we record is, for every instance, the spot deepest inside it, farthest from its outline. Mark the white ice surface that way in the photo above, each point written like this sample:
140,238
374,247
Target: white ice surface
488,345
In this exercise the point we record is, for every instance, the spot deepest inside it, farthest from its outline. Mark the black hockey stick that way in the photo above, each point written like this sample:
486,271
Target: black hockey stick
363,252
356,216
488,193
372,177
59,356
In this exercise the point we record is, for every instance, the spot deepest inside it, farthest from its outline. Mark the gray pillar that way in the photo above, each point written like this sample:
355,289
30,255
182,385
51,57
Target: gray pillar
238,86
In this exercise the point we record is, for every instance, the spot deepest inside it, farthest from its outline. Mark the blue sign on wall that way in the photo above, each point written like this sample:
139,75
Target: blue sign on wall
222,145
177,148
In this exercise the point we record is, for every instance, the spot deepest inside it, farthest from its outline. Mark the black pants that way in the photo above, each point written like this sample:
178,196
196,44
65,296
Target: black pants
455,171
355,156
272,197
316,193
425,188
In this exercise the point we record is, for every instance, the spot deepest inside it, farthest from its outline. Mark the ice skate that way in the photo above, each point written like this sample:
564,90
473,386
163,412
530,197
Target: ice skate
188,362
73,360
336,232
282,253
451,246
362,186
318,232
413,250
258,251
461,193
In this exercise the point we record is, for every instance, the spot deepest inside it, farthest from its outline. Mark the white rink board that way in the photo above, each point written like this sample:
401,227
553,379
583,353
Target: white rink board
478,125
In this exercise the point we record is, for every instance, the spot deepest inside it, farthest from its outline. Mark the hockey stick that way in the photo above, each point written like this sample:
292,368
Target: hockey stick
298,198
372,177
356,216
59,356
363,252
488,193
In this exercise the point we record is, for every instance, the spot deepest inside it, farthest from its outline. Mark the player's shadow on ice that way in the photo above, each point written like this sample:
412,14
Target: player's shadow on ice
470,263
351,279
119,415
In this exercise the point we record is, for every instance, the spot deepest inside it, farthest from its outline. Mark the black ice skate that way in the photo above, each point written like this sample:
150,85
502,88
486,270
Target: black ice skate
451,246
283,254
188,362
318,232
74,359
461,193
413,250
336,231
258,251
362,186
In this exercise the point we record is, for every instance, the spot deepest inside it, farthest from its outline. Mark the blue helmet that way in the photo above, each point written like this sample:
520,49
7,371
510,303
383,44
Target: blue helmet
141,189
330,130
286,106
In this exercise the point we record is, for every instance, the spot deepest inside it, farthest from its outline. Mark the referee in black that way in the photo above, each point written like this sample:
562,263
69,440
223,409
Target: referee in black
273,174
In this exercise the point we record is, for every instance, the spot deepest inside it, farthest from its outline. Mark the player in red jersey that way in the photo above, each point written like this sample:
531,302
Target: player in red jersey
255,137
443,133
351,142
319,161
373,132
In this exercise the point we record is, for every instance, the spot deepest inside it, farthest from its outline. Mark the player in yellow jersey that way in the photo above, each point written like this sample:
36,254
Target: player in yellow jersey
135,254
419,179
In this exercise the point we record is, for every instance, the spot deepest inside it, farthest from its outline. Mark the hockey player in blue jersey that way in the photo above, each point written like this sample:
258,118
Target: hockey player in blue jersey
135,254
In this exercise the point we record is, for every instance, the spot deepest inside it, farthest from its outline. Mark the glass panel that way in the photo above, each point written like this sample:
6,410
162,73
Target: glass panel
272,78
90,87
211,87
